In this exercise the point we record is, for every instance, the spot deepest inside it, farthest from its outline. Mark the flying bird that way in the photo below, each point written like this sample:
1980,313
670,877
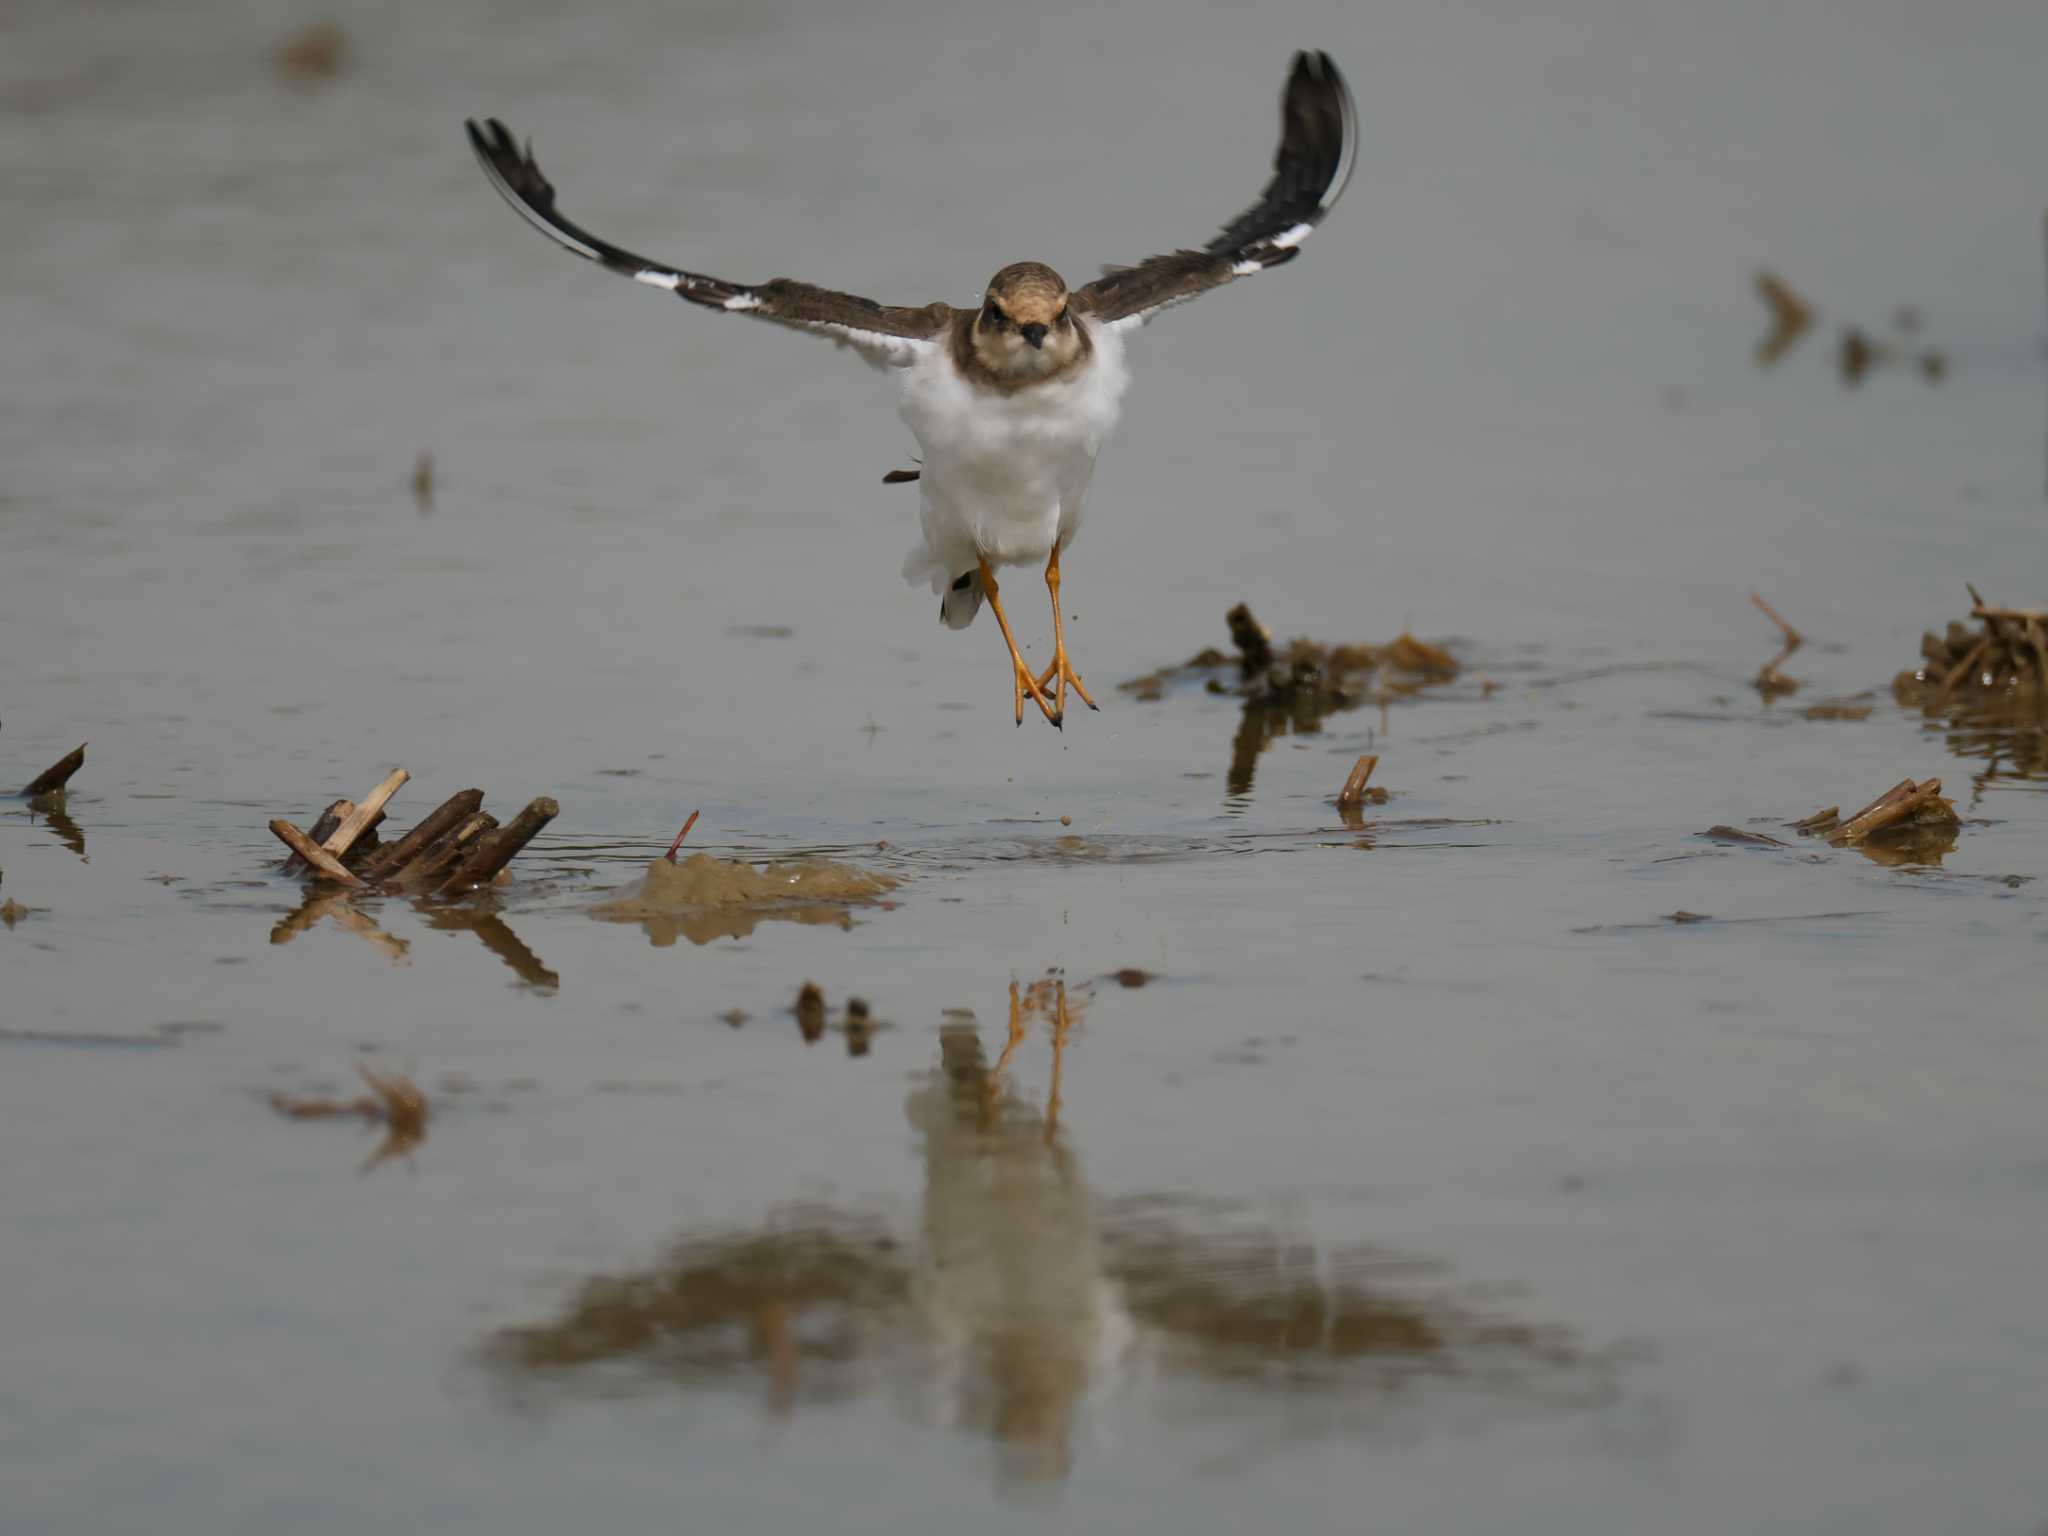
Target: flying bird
1010,399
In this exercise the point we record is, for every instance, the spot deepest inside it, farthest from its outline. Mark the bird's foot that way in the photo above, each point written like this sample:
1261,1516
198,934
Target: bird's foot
1057,675
1029,686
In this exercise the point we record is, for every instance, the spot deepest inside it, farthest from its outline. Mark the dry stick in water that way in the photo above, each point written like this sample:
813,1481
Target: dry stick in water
1353,792
443,819
312,852
502,846
1793,639
343,837
323,828
58,773
1963,668
437,859
1895,804
672,847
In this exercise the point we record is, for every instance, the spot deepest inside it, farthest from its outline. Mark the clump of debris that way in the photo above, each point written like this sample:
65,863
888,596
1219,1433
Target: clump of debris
2002,663
454,849
1304,675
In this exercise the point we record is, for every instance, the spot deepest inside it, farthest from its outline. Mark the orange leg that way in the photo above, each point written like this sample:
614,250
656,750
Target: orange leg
1025,682
1061,1023
1061,672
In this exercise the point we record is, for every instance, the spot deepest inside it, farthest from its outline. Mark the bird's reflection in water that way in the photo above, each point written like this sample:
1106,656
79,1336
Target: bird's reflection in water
1022,1299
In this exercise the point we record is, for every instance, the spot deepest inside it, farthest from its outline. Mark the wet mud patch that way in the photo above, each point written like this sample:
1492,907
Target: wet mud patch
703,897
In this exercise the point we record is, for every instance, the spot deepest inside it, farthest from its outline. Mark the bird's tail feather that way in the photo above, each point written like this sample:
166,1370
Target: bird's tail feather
962,601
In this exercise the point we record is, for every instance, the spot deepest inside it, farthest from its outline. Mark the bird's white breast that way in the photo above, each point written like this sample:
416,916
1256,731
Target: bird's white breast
1004,475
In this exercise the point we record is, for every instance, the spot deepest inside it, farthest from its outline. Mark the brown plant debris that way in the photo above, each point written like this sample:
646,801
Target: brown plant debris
1728,834
1355,793
394,1101
810,1011
1857,351
1290,688
678,843
1904,805
1769,681
2000,666
454,849
1791,318
313,54
1855,707
57,775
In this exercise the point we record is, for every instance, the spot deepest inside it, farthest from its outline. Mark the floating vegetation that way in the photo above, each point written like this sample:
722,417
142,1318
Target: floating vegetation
1986,688
1908,824
2001,664
1291,688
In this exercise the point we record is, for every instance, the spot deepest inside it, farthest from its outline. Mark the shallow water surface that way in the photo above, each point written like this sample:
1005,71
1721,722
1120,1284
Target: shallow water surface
1505,1156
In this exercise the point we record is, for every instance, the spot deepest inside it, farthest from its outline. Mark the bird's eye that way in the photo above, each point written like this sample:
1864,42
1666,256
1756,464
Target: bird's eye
992,317
1061,317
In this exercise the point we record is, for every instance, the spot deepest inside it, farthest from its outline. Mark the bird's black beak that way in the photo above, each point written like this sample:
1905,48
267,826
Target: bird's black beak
1035,334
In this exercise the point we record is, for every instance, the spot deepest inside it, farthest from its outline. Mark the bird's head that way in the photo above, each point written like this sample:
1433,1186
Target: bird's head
1024,329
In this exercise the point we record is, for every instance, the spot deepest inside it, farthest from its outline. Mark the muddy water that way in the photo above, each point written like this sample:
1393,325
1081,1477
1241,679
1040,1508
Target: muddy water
1433,1178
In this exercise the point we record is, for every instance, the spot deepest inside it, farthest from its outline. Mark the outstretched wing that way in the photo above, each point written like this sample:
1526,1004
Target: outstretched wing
884,334
1318,142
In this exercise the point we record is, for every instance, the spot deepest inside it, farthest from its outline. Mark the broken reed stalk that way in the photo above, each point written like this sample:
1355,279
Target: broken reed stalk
323,828
672,847
441,856
353,825
1793,639
444,818
1902,800
501,847
58,774
1353,792
1963,668
313,853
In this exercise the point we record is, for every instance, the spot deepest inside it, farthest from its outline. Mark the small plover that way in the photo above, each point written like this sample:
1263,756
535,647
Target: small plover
1011,398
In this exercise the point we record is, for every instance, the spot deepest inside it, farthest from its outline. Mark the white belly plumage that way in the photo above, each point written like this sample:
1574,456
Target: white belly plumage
1004,476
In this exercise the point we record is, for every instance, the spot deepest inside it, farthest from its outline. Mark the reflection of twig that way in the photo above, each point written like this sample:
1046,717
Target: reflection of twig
1791,318
1793,639
394,1099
